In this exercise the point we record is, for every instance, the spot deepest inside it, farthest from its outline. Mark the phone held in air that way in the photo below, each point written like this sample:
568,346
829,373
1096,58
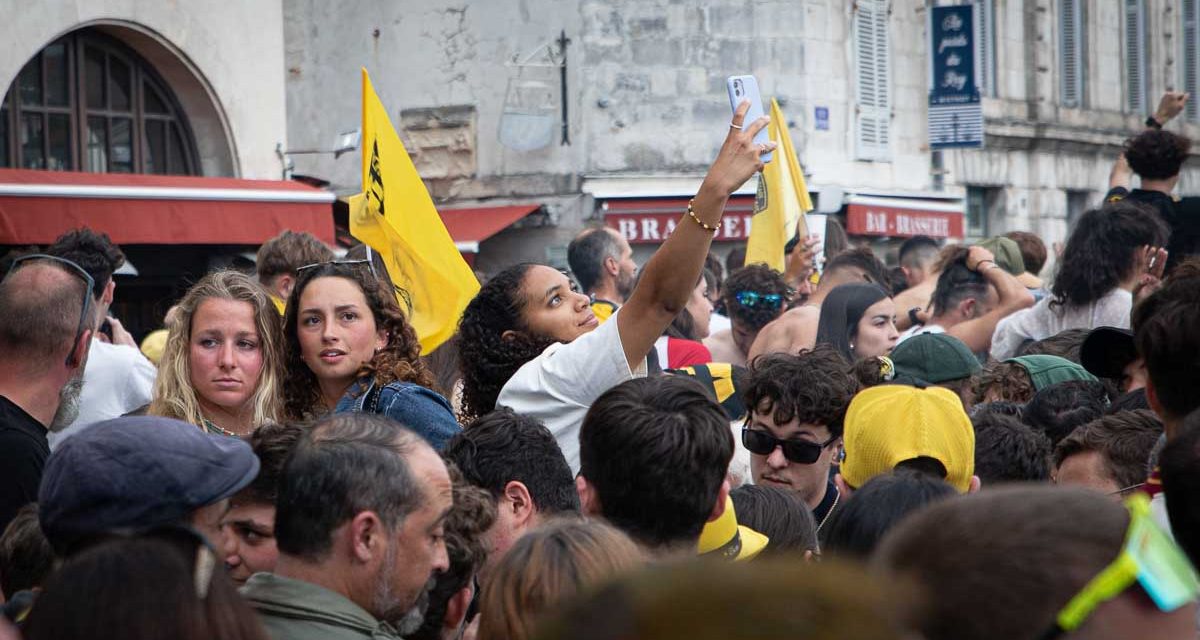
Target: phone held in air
746,88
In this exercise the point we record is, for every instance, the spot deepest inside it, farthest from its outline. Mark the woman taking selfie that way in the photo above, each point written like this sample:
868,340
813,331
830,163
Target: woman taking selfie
529,340
220,369
349,348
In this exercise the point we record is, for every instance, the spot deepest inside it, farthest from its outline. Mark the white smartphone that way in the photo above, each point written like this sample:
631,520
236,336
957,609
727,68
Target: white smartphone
746,88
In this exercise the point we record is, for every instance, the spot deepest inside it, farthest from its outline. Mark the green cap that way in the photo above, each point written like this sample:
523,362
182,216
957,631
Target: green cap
933,358
1047,370
1007,252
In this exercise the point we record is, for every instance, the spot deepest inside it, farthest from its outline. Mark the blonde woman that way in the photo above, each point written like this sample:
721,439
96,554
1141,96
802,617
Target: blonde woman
221,368
545,569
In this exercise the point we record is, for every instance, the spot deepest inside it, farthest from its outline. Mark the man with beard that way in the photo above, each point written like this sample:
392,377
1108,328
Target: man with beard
359,527
45,304
119,378
602,262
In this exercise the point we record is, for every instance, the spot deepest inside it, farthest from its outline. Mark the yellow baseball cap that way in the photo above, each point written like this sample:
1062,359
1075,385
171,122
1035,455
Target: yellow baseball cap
726,538
889,424
154,344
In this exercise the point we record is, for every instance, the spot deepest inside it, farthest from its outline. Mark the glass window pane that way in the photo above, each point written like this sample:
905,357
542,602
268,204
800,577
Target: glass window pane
178,165
32,138
119,84
97,145
30,82
153,101
122,146
154,147
57,93
93,69
60,142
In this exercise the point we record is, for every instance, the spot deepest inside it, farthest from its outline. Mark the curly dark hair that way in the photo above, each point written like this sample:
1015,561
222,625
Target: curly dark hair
1156,154
400,360
1009,379
272,444
487,359
812,386
93,251
760,279
1102,251
1008,450
473,513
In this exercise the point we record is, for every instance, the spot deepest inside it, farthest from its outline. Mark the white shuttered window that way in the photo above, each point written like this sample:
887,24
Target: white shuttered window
985,47
1190,14
1135,56
1071,52
873,78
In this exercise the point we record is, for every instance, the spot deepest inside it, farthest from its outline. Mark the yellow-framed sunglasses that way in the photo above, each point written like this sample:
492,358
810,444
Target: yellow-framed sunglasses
1149,558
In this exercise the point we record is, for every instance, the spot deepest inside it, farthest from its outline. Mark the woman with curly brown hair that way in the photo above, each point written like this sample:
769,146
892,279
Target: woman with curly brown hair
350,348
529,340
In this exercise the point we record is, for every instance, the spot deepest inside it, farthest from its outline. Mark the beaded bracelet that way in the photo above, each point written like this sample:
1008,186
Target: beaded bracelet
692,212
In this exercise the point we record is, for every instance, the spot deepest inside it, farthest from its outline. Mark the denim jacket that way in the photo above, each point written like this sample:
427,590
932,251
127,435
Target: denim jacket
424,411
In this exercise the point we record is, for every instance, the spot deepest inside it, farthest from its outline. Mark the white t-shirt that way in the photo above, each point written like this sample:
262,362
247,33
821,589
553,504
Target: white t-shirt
920,329
117,379
1043,320
560,385
717,323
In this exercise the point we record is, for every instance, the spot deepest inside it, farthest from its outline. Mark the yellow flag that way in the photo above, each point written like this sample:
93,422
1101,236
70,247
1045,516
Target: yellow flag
395,216
781,202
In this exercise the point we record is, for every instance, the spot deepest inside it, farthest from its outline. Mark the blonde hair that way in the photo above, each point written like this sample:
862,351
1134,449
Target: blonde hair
174,394
546,568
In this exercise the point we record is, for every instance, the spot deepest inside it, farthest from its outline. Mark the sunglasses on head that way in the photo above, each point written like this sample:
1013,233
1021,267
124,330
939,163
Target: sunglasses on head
798,451
85,310
756,299
369,261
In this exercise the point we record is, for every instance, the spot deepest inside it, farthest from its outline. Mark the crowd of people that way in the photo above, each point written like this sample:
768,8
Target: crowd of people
952,448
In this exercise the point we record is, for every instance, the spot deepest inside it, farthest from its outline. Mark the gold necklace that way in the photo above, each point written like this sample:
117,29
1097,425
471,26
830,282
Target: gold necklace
830,512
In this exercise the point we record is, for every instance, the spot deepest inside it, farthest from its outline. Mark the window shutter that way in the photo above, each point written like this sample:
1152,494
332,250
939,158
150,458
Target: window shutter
1070,32
1135,56
874,112
1191,72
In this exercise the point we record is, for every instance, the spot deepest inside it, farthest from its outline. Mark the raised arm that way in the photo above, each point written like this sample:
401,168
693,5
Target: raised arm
1013,296
671,274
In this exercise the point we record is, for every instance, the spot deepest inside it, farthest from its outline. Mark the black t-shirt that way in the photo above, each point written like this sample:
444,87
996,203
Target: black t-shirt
1182,216
23,452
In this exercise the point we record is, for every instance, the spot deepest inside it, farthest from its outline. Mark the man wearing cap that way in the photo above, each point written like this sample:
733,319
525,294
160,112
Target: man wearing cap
797,404
44,335
897,426
1109,352
725,539
653,454
974,293
937,359
137,473
359,527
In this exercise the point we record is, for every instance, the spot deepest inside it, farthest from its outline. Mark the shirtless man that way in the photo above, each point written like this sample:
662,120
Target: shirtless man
797,329
754,296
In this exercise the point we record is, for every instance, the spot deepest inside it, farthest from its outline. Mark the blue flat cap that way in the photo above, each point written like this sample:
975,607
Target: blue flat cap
137,472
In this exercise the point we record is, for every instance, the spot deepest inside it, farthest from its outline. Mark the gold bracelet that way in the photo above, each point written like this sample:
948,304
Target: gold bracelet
692,212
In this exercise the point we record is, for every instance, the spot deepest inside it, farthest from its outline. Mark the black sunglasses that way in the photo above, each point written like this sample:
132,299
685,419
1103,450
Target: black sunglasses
798,451
85,311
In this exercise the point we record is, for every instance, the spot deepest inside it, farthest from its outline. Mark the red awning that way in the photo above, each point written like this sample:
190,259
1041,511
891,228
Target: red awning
651,220
904,217
469,227
38,206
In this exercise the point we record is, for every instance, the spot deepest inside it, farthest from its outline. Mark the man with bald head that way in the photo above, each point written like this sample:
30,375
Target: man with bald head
602,262
44,336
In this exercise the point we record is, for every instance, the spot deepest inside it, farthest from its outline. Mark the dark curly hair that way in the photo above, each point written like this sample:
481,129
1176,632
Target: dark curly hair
93,251
760,279
400,360
812,386
486,358
473,513
1156,154
1008,450
272,444
1102,251
1010,380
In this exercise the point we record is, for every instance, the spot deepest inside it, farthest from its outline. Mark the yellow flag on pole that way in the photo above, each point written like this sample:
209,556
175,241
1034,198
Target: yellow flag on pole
782,200
395,216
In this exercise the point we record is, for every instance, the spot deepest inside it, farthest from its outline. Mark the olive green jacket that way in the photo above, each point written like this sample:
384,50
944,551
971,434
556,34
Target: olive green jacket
296,610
